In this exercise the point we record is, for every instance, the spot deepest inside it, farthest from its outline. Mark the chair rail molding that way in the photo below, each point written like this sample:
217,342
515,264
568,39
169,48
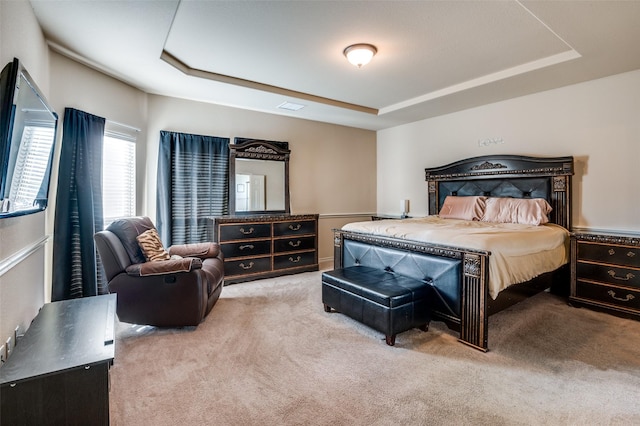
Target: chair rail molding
17,257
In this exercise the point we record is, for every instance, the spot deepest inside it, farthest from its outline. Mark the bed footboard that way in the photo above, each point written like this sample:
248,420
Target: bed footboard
459,277
474,321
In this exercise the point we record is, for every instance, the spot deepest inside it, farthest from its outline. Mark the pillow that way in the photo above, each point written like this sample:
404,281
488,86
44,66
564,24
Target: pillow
151,246
529,211
467,208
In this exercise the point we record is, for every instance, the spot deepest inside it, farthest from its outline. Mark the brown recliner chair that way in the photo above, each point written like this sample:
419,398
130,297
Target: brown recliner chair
177,292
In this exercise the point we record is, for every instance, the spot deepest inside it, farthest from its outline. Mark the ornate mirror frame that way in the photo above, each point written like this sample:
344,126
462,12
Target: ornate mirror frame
258,149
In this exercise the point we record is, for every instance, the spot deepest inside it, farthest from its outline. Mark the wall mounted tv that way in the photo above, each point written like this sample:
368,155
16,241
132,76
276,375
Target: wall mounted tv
27,135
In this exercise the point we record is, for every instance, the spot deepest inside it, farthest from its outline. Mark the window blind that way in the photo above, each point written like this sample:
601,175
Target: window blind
31,161
118,173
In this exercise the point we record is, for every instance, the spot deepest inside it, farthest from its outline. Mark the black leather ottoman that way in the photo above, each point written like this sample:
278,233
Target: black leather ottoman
385,301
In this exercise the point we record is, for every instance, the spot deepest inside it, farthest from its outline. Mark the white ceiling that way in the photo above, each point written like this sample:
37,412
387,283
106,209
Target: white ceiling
434,57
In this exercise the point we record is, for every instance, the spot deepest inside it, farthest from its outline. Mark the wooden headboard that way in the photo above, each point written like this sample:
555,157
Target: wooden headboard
506,176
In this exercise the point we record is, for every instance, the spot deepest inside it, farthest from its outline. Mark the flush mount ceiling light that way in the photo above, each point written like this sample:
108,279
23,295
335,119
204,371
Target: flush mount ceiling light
360,54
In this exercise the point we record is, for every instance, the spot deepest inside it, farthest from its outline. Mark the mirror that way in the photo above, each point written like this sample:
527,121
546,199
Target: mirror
258,176
27,131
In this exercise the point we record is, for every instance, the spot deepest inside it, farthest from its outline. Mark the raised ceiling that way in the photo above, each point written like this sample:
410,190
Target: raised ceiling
434,57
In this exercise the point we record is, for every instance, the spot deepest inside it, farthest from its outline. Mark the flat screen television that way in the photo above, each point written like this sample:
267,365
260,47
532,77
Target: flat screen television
28,128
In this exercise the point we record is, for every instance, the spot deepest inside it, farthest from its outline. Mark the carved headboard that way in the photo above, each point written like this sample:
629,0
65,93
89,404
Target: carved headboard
506,176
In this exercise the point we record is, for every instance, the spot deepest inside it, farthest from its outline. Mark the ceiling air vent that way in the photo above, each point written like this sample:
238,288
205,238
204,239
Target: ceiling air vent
290,106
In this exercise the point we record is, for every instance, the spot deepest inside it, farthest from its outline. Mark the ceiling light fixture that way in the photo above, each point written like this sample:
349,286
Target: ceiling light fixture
360,54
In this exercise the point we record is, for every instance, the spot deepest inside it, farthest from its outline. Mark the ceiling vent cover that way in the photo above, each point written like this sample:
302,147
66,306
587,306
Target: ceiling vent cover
290,106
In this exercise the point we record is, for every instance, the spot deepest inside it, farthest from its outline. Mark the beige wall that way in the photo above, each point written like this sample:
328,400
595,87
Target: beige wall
332,168
21,281
597,122
77,86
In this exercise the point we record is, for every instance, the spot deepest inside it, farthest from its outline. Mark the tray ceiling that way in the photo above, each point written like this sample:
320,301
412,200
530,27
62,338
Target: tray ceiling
434,57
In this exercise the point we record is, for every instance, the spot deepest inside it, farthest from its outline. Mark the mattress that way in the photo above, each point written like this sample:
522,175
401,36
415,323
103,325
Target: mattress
519,252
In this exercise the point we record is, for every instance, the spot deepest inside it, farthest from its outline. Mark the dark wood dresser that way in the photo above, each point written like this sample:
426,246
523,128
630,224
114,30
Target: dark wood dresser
605,272
59,371
264,246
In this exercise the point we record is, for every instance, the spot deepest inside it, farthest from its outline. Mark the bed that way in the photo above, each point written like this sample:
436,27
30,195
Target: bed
471,295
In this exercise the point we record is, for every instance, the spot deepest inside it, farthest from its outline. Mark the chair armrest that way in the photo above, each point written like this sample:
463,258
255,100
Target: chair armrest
200,250
162,267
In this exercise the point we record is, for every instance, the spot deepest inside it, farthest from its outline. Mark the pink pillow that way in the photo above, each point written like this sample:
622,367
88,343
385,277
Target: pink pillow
529,211
466,208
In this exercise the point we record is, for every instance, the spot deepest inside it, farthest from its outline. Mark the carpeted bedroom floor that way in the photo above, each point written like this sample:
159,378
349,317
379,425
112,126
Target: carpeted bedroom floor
269,355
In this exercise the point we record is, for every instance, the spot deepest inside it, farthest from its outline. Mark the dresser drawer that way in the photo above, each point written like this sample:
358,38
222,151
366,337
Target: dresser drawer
294,260
261,246
611,295
247,266
244,231
246,248
294,228
612,274
609,253
292,244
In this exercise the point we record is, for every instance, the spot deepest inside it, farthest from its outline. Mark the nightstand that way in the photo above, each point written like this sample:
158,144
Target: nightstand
605,272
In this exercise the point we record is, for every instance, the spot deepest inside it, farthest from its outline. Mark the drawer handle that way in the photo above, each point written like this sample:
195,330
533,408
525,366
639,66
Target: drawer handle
629,253
245,267
622,299
250,231
296,260
247,246
295,227
296,244
627,277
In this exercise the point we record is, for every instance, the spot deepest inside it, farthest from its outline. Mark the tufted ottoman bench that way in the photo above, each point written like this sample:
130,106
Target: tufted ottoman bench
385,301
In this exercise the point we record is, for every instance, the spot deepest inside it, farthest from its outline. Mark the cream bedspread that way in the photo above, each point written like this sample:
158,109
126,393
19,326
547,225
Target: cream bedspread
518,252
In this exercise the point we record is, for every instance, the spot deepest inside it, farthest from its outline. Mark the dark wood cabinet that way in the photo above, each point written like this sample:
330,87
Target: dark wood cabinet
263,246
605,273
59,371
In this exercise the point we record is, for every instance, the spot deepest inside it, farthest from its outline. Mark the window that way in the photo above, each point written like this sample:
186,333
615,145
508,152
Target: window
118,173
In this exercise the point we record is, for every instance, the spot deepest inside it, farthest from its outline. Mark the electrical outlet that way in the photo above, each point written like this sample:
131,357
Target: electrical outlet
17,335
3,355
9,345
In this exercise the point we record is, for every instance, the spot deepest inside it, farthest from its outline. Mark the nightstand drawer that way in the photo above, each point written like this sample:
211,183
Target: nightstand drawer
292,244
246,248
294,260
244,231
611,295
618,255
612,274
247,266
294,228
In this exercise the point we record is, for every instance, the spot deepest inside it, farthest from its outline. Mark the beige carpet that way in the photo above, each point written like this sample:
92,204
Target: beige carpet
269,355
